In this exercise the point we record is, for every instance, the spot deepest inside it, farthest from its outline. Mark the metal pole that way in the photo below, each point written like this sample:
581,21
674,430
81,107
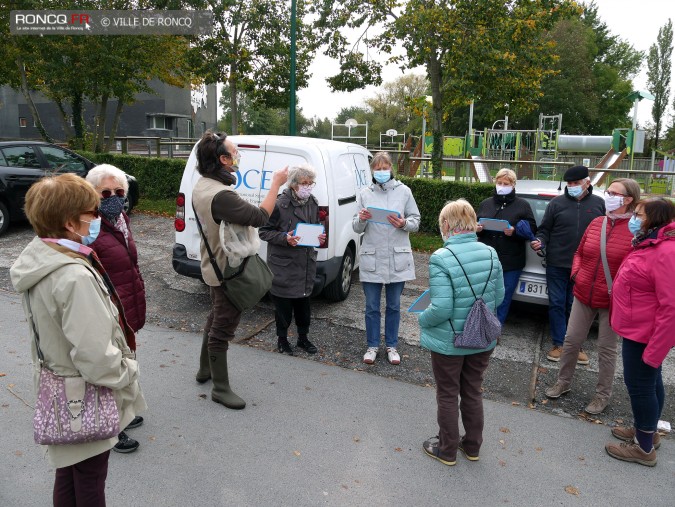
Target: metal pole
471,122
635,107
291,112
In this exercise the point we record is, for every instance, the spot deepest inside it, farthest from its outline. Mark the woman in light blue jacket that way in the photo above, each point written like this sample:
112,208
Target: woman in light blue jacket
458,371
385,259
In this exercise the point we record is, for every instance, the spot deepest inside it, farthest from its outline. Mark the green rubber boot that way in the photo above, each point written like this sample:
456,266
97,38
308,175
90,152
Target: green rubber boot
204,372
221,392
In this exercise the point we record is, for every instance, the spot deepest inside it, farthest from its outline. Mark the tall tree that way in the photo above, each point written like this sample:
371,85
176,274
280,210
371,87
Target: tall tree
659,62
470,49
249,51
394,106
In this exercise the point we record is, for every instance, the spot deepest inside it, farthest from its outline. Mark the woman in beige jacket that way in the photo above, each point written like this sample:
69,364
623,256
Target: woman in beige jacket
74,309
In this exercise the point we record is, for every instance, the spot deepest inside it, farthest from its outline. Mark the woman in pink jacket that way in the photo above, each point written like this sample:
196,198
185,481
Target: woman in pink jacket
591,292
642,312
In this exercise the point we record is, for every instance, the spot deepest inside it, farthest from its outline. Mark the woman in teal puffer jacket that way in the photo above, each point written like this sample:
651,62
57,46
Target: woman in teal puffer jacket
458,372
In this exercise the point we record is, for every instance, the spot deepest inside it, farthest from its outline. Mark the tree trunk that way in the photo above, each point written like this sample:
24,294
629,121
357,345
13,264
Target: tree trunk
67,129
100,127
234,113
434,71
29,101
76,107
115,124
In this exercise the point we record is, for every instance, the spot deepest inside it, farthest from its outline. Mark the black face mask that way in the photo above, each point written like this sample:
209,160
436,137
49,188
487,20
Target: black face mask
111,207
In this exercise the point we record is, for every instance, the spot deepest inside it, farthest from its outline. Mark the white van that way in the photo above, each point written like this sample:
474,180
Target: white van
342,169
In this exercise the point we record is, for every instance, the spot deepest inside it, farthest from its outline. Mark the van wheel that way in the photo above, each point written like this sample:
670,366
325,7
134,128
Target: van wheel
4,218
338,289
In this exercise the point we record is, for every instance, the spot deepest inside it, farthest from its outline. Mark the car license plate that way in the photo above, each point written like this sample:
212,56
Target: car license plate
534,289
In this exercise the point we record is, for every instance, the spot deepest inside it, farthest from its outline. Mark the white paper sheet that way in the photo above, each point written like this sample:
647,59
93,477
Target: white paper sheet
421,303
309,234
493,224
380,215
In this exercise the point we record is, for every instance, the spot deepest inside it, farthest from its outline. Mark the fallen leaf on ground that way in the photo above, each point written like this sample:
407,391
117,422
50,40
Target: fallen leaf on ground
581,458
542,370
538,449
504,430
544,402
344,486
2,374
356,439
18,453
297,453
515,403
152,438
530,405
398,449
572,490
502,463
202,396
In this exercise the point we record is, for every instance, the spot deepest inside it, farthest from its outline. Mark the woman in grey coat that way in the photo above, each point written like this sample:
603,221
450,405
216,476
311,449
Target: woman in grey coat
293,265
386,258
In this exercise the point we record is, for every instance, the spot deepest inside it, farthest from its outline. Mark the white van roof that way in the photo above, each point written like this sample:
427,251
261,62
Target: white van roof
291,141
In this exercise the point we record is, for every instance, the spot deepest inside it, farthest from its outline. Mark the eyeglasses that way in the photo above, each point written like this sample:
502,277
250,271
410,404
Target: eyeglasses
614,194
93,213
119,192
310,185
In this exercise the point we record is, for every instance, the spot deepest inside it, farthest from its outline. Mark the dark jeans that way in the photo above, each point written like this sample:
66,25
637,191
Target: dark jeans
560,299
510,283
284,308
82,483
459,376
222,322
644,384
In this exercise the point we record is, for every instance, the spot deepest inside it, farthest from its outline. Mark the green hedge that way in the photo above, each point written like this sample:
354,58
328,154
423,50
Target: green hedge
158,178
431,196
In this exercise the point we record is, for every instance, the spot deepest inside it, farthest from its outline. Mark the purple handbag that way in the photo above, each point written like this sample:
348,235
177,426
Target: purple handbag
70,410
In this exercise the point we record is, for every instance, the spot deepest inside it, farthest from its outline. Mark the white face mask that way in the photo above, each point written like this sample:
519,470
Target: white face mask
504,189
613,203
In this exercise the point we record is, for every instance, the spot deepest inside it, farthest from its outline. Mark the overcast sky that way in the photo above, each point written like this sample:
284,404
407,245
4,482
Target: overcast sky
637,21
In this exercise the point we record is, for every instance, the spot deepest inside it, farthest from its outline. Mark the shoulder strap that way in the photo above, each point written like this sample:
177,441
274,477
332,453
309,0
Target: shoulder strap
214,265
36,337
467,278
603,255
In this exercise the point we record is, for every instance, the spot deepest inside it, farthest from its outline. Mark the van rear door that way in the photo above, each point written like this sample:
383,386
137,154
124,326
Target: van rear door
253,181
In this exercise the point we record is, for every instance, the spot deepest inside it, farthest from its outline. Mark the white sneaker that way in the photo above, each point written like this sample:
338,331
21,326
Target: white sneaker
370,355
392,356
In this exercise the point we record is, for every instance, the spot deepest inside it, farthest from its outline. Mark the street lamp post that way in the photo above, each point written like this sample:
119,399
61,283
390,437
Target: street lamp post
291,112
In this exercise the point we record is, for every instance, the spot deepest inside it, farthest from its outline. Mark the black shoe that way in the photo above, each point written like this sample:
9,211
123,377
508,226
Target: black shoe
285,347
135,423
126,444
305,344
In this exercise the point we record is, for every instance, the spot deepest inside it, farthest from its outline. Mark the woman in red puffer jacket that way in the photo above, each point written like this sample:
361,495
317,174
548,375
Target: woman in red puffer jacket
592,290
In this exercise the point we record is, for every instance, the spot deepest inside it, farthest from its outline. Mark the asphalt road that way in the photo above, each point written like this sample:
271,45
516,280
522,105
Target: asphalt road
518,373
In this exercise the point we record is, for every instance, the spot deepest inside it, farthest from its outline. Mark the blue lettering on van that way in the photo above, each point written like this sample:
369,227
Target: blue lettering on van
266,179
250,181
360,178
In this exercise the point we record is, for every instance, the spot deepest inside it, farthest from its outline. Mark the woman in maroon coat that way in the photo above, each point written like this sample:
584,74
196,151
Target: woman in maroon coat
116,249
591,292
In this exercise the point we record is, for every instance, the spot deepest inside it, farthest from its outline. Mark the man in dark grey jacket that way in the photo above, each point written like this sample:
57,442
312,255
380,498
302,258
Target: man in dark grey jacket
559,234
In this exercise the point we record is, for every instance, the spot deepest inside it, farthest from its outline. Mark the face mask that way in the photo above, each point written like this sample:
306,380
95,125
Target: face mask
575,191
111,207
613,202
382,176
304,191
94,229
634,225
504,189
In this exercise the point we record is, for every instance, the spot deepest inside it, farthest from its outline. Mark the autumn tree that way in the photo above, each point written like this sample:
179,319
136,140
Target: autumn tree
470,49
249,50
659,62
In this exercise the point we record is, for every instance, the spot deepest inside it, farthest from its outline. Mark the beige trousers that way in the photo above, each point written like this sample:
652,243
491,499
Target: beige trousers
578,326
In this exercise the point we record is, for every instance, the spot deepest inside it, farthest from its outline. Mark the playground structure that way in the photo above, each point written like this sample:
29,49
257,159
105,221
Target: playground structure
543,153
